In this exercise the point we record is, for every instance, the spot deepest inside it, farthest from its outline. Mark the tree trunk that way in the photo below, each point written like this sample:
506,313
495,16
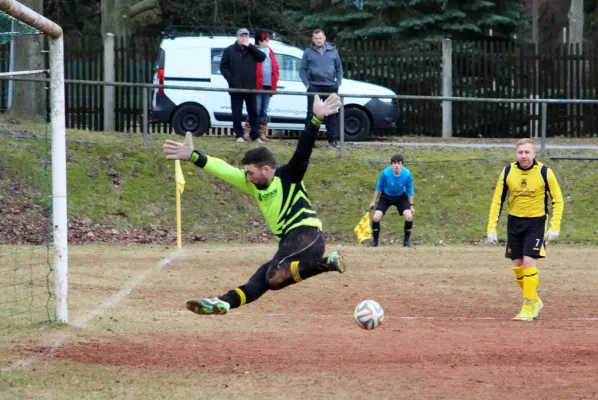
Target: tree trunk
29,98
575,78
114,17
117,15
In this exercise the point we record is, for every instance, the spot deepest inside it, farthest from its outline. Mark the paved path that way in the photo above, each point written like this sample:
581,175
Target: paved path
475,145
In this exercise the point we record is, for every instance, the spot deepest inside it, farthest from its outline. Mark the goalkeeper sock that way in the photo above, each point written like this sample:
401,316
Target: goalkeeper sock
530,285
295,272
376,230
244,294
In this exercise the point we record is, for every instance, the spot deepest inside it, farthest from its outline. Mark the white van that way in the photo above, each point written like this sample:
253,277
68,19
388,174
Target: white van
195,61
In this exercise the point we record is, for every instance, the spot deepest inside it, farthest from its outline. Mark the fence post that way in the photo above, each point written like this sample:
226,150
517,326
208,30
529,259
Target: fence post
543,135
447,88
145,122
341,126
109,74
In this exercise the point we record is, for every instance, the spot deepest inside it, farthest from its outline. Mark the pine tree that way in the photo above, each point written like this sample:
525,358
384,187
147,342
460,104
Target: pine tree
414,19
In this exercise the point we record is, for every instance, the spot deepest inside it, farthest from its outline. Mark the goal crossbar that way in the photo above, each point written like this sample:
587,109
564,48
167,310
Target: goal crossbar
31,18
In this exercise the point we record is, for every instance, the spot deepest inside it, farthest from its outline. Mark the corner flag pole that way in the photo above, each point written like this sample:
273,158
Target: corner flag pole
178,218
180,187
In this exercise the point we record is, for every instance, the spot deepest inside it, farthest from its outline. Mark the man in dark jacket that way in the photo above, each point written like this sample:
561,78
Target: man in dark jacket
238,66
322,71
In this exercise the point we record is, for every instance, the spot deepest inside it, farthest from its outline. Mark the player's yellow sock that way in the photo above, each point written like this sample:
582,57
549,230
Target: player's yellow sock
530,285
518,271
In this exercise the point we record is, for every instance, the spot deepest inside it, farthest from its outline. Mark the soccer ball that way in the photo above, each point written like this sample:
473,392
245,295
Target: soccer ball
368,314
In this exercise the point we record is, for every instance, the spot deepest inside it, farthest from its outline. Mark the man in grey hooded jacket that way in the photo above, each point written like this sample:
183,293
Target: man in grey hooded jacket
322,71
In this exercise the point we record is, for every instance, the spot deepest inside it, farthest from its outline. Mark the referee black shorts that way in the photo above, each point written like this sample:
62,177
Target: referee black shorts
401,202
525,237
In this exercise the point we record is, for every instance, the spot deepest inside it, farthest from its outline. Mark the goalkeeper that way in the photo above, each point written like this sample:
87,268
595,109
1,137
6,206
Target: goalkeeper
528,184
283,200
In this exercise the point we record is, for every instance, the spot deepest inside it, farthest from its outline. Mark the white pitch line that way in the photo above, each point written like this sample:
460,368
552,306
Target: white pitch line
54,342
415,317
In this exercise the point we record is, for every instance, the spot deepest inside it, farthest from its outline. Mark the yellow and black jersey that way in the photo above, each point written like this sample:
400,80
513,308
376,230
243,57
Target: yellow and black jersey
529,191
284,204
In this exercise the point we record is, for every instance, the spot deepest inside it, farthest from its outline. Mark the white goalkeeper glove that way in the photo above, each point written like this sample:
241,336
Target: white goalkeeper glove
322,109
551,235
179,151
492,238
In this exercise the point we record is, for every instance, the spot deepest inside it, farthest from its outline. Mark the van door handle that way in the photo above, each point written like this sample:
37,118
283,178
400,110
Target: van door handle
280,87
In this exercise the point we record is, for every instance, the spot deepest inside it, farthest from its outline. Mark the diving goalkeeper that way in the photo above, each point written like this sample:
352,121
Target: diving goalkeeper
283,200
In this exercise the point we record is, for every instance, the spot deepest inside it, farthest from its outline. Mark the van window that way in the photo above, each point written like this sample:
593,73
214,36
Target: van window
216,57
289,67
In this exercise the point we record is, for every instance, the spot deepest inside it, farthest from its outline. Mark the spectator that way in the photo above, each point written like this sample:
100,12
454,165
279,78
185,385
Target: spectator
267,74
322,71
238,66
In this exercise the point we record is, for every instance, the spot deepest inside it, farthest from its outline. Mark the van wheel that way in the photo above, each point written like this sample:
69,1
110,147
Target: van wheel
191,118
357,125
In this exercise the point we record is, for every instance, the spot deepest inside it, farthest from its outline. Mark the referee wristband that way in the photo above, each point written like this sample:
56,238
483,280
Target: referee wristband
316,121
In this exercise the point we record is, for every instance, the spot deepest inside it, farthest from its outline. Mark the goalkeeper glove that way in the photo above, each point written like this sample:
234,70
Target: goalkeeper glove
323,109
179,151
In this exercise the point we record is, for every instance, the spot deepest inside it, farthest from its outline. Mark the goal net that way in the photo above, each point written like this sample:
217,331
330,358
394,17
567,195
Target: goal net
33,232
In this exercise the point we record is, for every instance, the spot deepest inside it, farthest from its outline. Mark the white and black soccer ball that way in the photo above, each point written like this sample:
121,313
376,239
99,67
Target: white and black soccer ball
368,314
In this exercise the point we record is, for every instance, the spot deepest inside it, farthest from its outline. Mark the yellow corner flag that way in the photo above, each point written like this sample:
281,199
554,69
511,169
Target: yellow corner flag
180,188
363,230
179,177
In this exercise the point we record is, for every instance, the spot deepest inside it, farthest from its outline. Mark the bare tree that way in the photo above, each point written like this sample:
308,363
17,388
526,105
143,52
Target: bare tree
29,98
575,70
117,14
576,21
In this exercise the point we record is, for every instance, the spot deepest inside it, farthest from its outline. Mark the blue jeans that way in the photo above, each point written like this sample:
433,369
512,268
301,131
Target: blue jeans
263,103
332,121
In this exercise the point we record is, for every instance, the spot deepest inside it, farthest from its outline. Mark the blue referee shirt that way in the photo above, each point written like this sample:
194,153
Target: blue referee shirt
393,185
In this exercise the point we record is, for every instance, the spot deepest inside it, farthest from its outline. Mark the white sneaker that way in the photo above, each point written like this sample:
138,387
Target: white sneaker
240,140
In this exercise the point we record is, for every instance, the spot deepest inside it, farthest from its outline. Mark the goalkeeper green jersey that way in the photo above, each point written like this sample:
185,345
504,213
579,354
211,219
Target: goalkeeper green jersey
285,203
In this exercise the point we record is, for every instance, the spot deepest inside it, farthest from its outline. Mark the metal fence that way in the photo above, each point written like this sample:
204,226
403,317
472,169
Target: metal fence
485,69
146,88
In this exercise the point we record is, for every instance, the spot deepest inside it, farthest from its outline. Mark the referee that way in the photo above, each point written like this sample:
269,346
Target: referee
529,186
394,188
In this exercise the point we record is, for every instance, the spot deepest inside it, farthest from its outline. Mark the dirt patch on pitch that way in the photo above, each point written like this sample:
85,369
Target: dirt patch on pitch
460,357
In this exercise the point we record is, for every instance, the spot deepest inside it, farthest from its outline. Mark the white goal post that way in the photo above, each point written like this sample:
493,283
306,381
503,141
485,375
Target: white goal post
57,117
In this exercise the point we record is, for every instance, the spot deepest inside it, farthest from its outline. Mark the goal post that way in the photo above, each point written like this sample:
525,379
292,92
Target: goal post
57,123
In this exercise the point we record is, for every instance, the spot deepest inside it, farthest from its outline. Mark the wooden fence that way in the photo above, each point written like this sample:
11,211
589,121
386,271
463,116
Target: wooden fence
480,69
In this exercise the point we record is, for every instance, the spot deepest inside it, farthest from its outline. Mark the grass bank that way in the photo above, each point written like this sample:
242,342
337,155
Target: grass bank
116,182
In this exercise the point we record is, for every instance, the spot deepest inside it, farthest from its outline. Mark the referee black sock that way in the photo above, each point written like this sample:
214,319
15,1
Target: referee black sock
376,230
408,228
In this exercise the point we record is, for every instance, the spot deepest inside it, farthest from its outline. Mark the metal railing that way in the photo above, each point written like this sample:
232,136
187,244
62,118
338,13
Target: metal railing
148,86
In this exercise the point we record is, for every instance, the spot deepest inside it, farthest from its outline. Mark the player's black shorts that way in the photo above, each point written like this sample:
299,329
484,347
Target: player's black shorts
525,237
401,202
